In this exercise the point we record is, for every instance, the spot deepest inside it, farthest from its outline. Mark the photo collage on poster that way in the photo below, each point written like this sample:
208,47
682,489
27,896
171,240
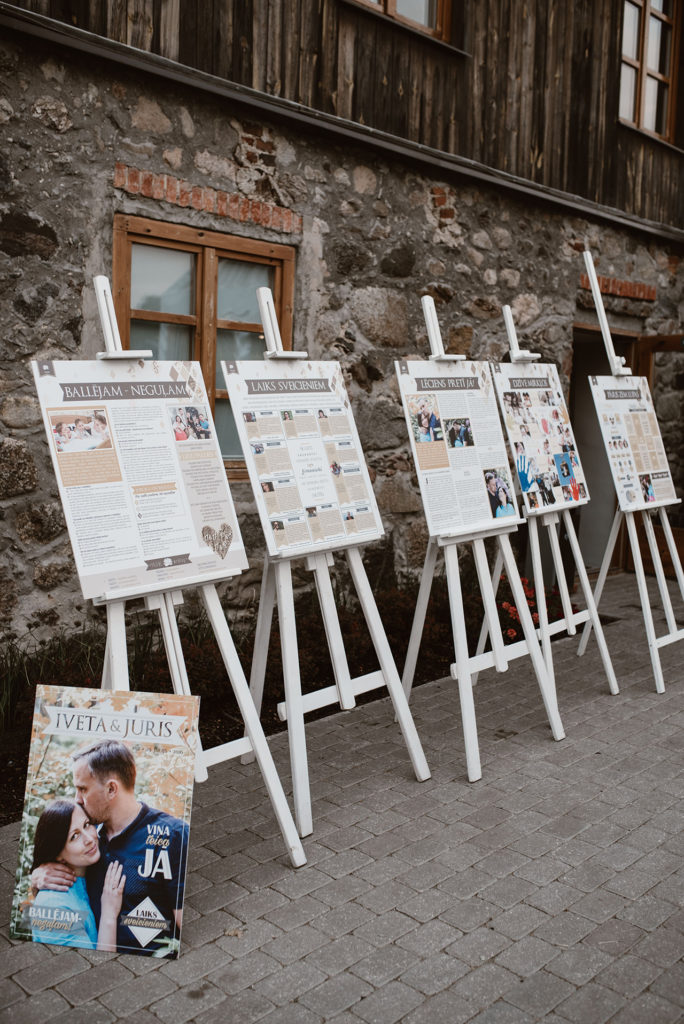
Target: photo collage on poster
108,801
542,444
457,445
140,474
632,440
303,454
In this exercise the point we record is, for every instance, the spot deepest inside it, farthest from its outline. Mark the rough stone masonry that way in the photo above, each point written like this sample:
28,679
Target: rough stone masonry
83,140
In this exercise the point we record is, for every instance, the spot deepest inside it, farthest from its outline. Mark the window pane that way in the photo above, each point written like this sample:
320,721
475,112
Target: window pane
162,279
226,431
237,285
167,341
627,90
655,106
422,11
664,6
658,46
630,32
236,345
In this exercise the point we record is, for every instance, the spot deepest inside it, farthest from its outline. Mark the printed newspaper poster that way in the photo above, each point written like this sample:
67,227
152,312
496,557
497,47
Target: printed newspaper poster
542,444
632,440
303,454
140,474
458,445
104,833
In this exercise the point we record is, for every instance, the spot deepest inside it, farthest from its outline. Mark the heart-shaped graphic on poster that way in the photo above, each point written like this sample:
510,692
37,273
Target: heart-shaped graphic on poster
218,540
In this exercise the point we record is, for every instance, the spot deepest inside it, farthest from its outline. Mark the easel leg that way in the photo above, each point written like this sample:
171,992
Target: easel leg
465,688
164,604
546,686
672,548
540,594
252,724
645,602
331,623
489,603
659,572
389,669
293,698
605,566
560,577
484,631
262,636
419,617
591,605
115,671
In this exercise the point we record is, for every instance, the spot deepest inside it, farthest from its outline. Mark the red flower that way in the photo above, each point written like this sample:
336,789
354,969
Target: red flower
511,633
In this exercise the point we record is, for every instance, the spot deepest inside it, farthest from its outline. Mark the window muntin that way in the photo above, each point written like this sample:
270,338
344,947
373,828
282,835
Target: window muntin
431,16
646,75
191,294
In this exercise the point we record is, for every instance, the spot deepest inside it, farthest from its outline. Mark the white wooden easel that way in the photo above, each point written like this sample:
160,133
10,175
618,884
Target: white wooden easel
466,667
163,601
276,589
550,521
674,633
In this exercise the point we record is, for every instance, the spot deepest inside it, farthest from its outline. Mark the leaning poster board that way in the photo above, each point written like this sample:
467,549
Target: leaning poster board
146,743
140,475
631,436
542,444
303,455
458,446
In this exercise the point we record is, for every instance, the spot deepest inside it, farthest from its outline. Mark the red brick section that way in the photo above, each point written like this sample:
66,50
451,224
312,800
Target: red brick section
233,206
627,289
443,203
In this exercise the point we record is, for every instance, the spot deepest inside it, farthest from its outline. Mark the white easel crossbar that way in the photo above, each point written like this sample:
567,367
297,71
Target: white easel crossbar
674,634
115,675
276,591
500,655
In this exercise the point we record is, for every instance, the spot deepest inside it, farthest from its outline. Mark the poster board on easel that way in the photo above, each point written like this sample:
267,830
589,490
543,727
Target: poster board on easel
314,497
466,487
642,480
552,482
148,510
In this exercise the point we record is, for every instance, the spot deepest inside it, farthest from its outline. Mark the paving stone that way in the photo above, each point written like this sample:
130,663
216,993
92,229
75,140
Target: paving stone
429,938
50,972
599,905
138,993
538,994
501,1012
648,913
579,964
485,984
91,1012
444,1008
435,973
295,1014
648,1007
553,898
384,964
298,912
343,919
664,947
614,937
670,985
385,928
388,1004
506,892
566,929
592,1004
629,975
39,1008
335,994
340,954
288,983
98,979
518,921
189,1002
243,973
10,992
527,955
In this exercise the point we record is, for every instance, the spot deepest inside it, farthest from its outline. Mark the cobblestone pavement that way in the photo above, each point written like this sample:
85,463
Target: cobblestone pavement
551,890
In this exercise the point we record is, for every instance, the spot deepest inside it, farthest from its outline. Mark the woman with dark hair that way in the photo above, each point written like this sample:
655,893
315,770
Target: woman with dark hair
64,833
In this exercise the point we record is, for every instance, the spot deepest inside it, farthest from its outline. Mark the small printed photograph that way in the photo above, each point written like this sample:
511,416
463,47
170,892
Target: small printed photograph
80,430
105,827
190,423
311,512
348,516
335,468
459,433
532,499
582,491
425,421
567,493
286,414
647,491
500,492
278,525
257,448
249,417
267,487
322,414
564,469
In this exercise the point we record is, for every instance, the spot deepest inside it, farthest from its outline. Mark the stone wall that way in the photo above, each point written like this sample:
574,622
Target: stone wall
84,140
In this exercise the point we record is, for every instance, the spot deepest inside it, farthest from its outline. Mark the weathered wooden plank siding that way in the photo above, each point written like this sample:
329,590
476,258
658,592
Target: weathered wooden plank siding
536,97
